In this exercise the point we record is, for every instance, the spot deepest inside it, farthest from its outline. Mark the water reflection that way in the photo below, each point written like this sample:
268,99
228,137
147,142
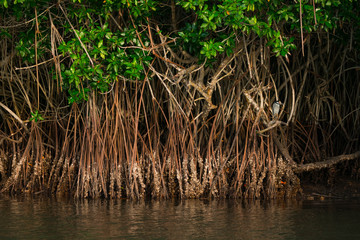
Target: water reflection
43,218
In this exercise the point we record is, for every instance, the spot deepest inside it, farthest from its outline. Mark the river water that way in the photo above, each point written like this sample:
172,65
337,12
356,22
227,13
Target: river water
44,218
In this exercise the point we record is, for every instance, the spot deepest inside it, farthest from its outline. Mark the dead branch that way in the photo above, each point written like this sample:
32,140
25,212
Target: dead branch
326,163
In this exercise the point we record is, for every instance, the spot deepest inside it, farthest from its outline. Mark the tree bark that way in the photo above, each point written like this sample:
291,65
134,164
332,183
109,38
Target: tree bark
326,163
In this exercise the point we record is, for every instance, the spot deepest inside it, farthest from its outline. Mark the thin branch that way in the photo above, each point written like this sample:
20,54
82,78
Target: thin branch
82,44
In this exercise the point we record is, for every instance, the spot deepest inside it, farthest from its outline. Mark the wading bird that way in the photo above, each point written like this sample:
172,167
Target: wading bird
276,108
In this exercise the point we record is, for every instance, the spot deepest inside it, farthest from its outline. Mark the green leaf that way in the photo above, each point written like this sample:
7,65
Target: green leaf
108,35
100,43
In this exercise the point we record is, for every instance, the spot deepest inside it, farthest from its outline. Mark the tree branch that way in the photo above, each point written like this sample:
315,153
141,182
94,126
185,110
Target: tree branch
326,163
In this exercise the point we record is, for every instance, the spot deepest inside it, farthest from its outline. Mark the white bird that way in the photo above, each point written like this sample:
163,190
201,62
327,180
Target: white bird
276,108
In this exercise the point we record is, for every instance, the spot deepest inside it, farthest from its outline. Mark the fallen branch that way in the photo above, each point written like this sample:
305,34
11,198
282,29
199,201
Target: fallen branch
326,163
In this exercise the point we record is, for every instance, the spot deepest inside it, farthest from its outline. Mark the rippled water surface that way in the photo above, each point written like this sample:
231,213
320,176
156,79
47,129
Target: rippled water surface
43,218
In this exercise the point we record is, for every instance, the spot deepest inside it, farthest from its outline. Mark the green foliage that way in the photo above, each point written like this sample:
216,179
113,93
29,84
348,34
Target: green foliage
4,3
96,52
99,55
191,37
267,19
36,116
95,55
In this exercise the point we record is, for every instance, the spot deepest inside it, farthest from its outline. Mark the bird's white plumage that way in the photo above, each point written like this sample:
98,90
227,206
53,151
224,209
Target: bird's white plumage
276,108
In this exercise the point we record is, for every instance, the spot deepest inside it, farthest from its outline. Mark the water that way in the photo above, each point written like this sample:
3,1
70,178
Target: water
43,218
